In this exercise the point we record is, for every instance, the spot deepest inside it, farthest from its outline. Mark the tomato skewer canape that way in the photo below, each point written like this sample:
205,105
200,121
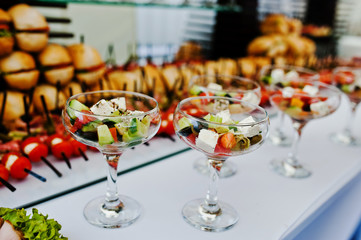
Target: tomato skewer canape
37,151
60,148
19,166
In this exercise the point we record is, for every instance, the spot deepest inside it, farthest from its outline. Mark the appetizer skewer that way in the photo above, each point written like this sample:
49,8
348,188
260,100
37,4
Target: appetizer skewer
60,148
19,166
37,151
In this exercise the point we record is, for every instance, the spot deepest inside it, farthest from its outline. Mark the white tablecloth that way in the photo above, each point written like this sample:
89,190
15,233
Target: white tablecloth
270,206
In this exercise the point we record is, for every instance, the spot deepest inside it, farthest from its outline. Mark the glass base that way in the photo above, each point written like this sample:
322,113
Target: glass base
279,138
222,221
283,168
96,215
228,169
345,139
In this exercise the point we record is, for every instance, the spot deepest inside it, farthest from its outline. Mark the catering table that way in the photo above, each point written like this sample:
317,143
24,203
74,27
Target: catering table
323,206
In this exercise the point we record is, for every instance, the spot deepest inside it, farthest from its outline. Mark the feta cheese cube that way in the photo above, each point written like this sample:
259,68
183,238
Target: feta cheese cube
288,92
214,86
251,97
320,108
291,76
225,115
118,103
277,75
102,107
311,90
207,140
249,131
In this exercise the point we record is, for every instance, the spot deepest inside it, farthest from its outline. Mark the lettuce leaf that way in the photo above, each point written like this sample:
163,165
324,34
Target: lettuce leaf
38,226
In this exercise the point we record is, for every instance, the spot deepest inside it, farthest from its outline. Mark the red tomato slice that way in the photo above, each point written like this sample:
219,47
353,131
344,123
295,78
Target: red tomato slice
222,151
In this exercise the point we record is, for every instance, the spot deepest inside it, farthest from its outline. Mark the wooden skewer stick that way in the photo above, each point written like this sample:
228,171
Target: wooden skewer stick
83,154
7,184
27,118
66,159
41,178
45,108
51,167
2,127
71,91
3,106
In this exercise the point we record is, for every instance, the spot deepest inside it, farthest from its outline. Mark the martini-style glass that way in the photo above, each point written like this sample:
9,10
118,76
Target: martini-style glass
226,86
348,80
273,78
223,127
303,107
111,121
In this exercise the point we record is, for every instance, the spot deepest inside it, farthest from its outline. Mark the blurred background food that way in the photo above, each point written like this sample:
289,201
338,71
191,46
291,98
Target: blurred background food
38,57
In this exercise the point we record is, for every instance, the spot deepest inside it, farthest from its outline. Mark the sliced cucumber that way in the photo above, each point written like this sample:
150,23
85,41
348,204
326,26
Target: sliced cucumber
121,128
104,135
146,121
91,126
195,90
137,129
213,118
184,122
76,105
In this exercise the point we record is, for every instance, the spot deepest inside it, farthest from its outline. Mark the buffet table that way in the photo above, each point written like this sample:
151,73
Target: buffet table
324,206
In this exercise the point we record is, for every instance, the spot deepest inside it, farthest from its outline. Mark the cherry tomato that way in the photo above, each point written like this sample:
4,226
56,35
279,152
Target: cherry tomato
264,98
4,173
326,76
34,149
166,126
62,147
228,140
17,169
17,165
76,145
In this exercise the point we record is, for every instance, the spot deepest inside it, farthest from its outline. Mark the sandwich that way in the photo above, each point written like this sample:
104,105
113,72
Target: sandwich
31,28
54,99
56,64
89,66
18,70
6,38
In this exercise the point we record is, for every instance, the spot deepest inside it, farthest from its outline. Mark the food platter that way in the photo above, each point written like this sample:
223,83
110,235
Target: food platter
31,191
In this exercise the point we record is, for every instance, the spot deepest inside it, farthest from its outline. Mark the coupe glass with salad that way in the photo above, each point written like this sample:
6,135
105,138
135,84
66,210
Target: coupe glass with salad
348,80
225,86
112,121
274,78
314,100
221,128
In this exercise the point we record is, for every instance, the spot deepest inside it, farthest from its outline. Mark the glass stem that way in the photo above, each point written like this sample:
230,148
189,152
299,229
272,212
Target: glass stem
281,119
210,205
292,156
350,121
112,201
